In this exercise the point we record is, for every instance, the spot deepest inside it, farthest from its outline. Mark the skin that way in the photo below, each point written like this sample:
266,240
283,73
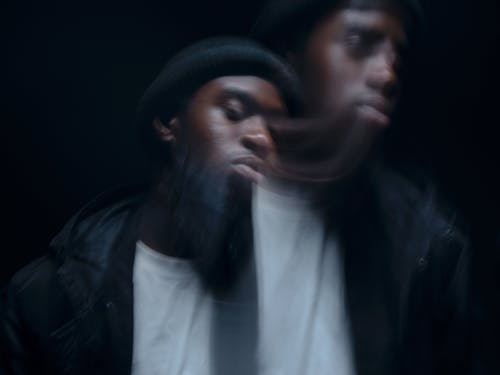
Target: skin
218,145
226,123
350,69
351,64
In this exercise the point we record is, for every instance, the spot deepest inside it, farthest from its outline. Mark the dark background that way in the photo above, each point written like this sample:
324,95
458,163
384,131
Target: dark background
74,70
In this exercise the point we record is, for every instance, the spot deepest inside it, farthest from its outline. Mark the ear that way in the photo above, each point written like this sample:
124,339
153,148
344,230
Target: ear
166,132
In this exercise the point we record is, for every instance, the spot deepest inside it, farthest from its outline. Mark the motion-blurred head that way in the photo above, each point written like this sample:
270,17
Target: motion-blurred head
348,55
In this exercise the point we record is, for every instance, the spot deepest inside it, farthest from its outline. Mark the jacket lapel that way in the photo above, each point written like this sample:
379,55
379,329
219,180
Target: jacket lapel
117,301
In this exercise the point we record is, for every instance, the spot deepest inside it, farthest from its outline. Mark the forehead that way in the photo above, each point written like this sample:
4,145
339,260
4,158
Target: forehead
397,8
380,21
260,91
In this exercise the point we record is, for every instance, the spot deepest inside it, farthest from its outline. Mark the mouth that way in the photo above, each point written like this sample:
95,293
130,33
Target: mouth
249,168
376,111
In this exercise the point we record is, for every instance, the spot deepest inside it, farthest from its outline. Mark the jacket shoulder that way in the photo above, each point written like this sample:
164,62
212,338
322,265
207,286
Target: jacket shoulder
422,204
34,308
35,299
427,233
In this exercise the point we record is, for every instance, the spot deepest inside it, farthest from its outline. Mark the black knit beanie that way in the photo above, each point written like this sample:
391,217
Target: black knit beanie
281,21
204,61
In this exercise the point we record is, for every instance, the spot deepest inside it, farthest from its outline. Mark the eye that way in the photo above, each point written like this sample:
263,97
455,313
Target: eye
353,39
360,43
234,110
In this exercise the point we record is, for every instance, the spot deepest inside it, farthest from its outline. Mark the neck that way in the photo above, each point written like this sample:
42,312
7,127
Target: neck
157,226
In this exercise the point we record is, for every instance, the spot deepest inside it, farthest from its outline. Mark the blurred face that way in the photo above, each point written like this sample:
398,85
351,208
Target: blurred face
223,129
350,65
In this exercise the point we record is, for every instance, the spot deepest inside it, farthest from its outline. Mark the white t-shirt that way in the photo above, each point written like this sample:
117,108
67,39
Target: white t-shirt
304,327
172,317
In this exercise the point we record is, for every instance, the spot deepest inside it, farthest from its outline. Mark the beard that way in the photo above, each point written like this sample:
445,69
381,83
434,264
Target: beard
211,214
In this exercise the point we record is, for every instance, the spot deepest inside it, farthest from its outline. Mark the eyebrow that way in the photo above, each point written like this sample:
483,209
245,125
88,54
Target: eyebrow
372,31
365,25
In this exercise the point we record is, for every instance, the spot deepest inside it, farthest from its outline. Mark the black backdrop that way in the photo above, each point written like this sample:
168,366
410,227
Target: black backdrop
74,70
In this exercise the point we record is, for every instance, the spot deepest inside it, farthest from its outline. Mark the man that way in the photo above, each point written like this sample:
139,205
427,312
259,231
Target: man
155,282
403,258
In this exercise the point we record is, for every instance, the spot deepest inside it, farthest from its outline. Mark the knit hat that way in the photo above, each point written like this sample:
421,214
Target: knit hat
204,61
280,21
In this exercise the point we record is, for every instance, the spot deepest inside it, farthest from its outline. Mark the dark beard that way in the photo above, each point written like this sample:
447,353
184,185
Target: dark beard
211,213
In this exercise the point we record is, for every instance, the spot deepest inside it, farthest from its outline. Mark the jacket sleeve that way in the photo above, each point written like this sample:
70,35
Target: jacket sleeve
30,310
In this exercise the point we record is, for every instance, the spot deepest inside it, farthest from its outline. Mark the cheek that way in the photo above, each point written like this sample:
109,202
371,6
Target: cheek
326,75
343,79
213,136
203,128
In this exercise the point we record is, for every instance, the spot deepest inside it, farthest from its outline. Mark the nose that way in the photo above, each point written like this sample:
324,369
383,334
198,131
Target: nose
383,73
256,137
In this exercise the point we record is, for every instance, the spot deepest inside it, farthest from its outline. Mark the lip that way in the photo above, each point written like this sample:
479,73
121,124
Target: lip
248,167
376,110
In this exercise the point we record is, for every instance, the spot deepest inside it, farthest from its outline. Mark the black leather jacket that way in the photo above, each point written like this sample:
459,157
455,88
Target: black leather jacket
70,312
